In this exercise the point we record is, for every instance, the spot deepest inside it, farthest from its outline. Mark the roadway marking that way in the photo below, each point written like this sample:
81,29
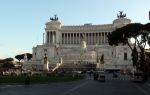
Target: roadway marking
148,84
75,88
113,78
142,90
9,86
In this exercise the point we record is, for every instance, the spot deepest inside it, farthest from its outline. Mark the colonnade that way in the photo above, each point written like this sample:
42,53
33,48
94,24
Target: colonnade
51,37
91,38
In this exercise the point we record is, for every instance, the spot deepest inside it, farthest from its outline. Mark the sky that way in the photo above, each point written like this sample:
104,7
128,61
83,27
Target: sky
22,22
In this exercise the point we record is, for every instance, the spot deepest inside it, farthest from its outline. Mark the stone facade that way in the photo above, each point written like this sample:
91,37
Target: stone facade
82,44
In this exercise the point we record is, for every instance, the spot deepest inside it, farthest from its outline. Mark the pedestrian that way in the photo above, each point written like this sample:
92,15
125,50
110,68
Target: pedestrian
27,80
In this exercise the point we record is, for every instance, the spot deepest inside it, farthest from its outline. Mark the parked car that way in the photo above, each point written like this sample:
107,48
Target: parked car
115,75
95,75
138,77
101,76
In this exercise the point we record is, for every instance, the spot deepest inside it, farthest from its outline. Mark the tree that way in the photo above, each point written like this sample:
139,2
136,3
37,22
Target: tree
135,57
146,28
19,57
136,31
8,65
8,59
29,56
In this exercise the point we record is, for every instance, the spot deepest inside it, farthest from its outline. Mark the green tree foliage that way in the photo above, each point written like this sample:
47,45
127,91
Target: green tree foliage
122,35
146,29
8,65
141,34
9,59
135,57
29,56
19,57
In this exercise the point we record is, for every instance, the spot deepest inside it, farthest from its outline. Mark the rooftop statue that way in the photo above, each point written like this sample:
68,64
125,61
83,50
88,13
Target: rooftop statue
121,14
55,18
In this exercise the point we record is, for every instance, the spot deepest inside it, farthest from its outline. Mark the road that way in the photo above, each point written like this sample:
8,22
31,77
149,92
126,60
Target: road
113,86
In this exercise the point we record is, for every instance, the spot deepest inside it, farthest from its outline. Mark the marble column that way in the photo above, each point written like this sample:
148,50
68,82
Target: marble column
106,37
55,37
74,35
47,37
69,39
98,38
90,38
65,38
101,37
93,38
50,37
87,38
79,39
73,38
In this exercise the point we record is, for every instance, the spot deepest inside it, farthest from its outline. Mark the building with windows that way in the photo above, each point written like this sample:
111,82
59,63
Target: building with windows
80,45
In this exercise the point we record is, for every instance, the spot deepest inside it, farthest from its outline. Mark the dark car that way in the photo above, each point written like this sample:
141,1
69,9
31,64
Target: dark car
115,75
138,77
101,76
95,75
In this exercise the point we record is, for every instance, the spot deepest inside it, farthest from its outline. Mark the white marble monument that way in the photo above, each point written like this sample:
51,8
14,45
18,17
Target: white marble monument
64,41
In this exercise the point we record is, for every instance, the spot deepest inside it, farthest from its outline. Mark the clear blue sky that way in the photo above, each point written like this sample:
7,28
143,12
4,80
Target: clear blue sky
22,22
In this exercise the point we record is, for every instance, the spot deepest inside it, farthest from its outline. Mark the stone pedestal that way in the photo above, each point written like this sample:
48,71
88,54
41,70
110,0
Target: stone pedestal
45,63
45,67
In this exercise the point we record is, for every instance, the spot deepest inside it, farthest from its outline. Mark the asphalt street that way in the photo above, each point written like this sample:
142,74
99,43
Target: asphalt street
112,86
